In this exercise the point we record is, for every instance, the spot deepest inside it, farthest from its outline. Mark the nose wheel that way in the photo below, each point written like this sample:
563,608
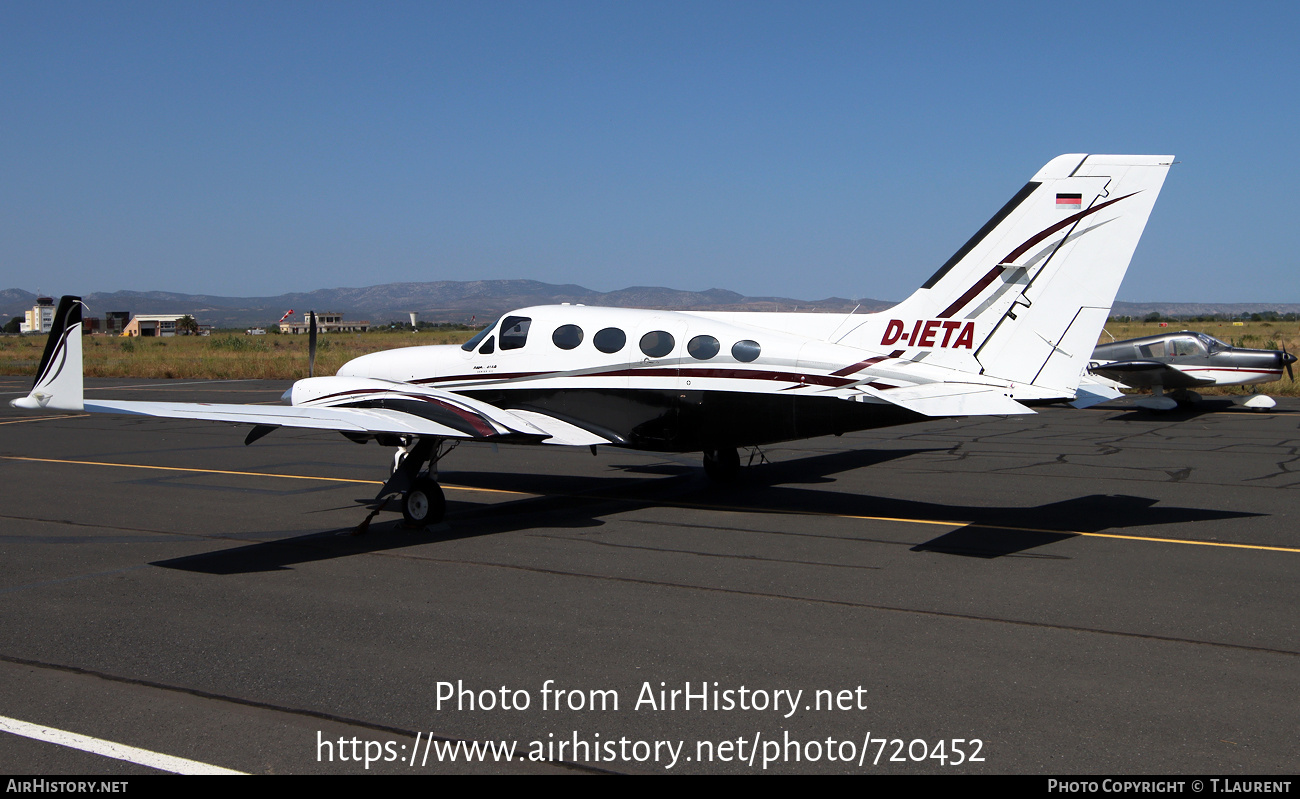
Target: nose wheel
423,503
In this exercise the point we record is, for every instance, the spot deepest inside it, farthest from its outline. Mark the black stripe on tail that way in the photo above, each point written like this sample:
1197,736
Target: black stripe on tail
67,315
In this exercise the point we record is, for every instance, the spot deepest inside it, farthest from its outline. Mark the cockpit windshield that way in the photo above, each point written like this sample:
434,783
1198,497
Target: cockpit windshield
469,346
1211,343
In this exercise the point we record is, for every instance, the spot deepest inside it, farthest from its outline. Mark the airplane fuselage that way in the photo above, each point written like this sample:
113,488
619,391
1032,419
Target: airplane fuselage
659,380
1201,360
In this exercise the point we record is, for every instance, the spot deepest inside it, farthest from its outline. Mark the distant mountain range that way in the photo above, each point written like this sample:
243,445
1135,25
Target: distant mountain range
459,301
441,301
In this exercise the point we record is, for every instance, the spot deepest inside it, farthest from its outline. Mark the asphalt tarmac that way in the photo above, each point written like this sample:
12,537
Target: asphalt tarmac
1098,591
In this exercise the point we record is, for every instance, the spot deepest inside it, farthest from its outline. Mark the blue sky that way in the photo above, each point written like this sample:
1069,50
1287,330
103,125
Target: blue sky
800,149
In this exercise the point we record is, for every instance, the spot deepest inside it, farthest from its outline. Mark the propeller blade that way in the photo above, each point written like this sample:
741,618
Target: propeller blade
1288,359
311,346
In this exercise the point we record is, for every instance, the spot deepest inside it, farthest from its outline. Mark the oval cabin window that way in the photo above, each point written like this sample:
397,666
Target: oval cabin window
609,340
703,348
657,343
745,351
566,337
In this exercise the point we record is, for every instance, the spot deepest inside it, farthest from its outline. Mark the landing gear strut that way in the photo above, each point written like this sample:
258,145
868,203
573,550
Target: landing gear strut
722,465
423,503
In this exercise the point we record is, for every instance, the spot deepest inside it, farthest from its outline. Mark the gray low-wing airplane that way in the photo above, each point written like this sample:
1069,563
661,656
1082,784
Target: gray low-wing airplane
1183,361
1010,319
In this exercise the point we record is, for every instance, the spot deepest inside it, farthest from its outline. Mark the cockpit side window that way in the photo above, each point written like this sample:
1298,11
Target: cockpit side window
1187,347
469,346
514,332
488,347
1156,349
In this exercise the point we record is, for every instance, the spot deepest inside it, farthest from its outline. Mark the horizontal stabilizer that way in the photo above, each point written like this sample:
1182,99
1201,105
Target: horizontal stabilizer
1093,391
951,399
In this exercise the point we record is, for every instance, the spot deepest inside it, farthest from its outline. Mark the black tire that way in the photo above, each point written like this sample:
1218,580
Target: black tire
424,503
1184,398
722,465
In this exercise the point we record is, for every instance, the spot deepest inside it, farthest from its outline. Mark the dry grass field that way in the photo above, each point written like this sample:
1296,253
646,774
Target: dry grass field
282,357
219,356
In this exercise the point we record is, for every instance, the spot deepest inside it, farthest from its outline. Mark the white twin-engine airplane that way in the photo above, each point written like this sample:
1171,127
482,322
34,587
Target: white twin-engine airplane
1011,318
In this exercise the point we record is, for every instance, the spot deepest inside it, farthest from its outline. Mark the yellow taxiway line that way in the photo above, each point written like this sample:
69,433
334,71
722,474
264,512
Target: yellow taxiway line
46,418
250,474
695,506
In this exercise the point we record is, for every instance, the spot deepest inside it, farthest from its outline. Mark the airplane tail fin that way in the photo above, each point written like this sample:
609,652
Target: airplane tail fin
1025,299
58,379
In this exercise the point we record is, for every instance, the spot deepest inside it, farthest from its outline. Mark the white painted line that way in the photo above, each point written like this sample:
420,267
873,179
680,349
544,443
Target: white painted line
131,754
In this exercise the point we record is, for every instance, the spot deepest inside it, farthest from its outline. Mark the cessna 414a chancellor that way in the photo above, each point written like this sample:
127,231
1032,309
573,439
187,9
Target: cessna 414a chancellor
1011,318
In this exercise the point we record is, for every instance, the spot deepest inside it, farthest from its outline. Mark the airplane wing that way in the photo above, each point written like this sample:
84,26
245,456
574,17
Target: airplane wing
468,423
1147,374
461,417
349,405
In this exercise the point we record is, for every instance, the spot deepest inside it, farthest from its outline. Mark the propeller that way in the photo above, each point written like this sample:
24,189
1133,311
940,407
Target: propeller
311,345
1288,359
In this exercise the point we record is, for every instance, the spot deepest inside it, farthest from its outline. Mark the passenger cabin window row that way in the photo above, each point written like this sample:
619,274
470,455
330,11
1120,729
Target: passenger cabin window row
655,344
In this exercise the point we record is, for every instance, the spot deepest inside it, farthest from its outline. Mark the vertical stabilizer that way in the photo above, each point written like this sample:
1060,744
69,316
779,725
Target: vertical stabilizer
58,379
1025,299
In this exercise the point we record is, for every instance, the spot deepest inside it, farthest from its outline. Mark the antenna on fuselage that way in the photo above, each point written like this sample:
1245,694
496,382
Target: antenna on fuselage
831,337
311,344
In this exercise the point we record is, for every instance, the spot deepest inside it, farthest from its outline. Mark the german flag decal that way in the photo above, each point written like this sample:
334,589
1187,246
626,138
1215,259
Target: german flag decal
1069,202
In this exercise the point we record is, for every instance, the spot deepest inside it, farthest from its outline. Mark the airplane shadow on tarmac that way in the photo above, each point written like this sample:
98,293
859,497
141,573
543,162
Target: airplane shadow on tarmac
567,501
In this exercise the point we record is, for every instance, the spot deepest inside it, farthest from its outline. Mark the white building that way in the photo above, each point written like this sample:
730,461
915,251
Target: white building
40,318
328,322
160,324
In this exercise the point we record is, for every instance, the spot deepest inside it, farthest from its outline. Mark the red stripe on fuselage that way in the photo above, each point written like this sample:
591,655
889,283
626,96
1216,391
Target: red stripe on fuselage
860,365
687,372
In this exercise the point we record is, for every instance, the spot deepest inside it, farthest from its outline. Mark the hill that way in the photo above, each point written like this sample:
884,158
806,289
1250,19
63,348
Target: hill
459,301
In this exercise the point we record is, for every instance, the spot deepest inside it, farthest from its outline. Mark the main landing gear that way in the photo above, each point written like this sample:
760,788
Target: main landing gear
722,465
423,503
